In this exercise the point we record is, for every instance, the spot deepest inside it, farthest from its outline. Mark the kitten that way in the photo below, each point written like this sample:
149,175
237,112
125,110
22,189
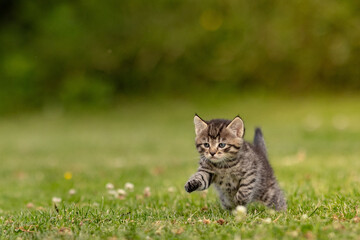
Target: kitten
239,171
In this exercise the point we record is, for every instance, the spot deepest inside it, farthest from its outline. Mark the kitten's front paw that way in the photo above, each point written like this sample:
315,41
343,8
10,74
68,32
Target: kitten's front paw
192,185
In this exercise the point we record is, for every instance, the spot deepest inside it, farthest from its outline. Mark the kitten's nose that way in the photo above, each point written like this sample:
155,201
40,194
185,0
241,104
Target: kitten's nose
212,153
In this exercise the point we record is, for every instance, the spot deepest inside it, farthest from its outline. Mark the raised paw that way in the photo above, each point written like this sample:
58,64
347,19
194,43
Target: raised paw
192,185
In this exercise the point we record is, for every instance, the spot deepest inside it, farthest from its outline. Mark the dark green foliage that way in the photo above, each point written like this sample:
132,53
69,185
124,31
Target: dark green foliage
137,47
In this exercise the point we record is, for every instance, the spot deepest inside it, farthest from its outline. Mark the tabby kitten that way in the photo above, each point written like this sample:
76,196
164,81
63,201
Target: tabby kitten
239,171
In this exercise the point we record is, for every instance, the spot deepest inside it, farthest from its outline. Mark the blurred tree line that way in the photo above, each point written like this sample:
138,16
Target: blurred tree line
90,52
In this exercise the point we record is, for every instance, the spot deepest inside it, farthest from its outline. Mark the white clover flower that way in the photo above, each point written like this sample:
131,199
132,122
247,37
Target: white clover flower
56,200
129,186
109,186
113,192
239,213
147,192
72,191
304,217
171,189
121,192
241,209
267,220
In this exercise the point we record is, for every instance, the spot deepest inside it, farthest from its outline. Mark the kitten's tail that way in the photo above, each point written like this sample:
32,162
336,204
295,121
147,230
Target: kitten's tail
259,141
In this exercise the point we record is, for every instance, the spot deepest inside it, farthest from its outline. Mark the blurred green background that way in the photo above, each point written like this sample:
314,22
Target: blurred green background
95,54
106,91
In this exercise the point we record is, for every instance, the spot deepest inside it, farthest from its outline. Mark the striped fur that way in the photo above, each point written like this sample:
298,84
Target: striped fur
239,171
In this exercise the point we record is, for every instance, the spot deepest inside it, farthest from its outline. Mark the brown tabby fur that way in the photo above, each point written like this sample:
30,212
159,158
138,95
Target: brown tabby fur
239,171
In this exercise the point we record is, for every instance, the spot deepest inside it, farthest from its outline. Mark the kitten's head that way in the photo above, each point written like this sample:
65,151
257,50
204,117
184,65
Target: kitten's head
219,139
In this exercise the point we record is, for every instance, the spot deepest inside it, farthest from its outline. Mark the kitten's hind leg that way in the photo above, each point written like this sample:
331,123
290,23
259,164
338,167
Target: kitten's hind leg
274,198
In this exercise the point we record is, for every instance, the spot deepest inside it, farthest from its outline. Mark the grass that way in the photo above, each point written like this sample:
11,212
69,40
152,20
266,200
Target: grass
313,146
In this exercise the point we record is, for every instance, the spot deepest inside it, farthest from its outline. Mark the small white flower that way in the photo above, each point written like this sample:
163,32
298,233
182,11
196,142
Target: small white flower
147,192
267,220
241,209
171,189
239,213
129,186
304,217
72,191
113,192
109,186
56,200
121,192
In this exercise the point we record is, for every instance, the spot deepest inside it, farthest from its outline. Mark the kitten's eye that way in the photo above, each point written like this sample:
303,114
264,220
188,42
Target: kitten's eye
206,145
222,145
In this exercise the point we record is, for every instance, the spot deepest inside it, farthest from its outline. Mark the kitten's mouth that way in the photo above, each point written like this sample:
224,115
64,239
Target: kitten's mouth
214,159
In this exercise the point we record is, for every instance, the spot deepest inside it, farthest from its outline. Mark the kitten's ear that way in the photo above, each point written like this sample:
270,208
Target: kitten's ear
199,124
237,127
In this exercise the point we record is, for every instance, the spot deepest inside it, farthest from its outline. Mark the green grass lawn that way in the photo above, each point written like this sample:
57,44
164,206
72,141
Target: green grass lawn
313,144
